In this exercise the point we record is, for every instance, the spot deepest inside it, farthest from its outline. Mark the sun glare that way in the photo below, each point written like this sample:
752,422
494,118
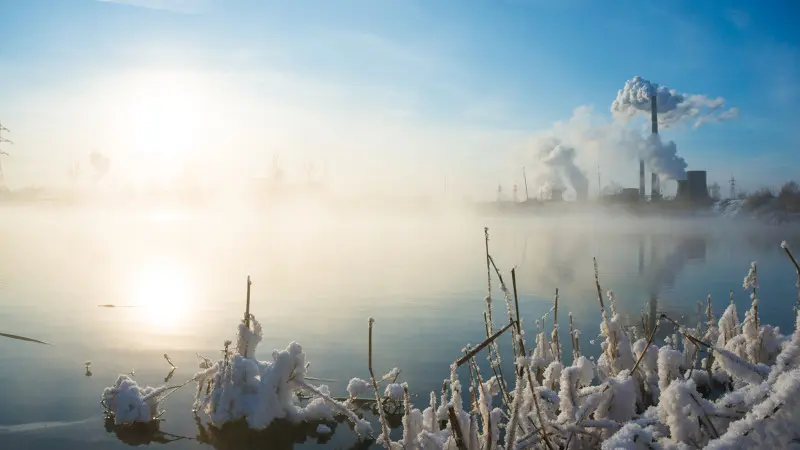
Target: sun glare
166,118
161,294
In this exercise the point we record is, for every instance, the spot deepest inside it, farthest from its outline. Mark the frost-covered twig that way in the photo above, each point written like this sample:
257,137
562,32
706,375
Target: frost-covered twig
384,438
649,341
454,425
460,361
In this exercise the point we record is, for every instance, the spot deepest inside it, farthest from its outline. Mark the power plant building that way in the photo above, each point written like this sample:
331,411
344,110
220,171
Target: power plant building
694,189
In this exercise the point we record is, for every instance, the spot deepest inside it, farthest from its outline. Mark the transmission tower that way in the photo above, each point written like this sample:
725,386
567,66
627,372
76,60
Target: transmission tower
3,153
732,181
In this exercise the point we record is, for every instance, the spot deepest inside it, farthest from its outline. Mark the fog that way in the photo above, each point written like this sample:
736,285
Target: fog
363,254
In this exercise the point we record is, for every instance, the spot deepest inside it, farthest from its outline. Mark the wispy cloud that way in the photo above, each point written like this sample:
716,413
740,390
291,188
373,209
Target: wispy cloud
738,18
180,6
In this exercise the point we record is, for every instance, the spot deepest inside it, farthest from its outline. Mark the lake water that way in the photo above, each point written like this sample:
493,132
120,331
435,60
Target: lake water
316,279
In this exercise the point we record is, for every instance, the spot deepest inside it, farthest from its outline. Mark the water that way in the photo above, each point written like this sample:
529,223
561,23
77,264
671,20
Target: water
316,279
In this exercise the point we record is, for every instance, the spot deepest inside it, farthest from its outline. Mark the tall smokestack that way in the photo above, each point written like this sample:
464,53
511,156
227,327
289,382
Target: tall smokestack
653,115
655,191
654,184
641,180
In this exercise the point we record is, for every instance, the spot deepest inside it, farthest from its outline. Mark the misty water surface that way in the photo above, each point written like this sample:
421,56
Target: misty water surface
178,283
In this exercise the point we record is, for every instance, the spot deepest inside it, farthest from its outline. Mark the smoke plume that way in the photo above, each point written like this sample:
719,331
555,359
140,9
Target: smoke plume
556,165
672,106
100,163
659,156
589,140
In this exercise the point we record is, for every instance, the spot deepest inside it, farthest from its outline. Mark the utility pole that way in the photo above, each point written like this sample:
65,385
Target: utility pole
525,179
3,153
732,181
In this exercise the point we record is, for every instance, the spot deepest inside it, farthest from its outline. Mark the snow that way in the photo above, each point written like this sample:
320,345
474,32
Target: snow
394,390
752,371
239,387
129,403
357,386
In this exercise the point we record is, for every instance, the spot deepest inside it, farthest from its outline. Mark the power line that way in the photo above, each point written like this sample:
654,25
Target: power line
3,153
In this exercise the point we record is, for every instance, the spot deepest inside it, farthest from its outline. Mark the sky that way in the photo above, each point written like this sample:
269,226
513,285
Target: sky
383,95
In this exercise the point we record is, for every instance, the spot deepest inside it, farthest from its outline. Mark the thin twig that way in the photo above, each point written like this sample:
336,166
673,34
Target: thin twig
597,284
23,338
535,395
456,428
649,341
488,269
384,425
247,307
556,339
497,368
473,402
479,347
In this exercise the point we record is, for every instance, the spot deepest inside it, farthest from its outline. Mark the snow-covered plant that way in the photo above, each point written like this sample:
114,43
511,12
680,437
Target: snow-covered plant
127,402
723,384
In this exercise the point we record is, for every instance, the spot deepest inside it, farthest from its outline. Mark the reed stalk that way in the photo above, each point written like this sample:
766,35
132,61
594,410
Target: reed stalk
381,413
454,425
460,361
788,252
646,347
556,339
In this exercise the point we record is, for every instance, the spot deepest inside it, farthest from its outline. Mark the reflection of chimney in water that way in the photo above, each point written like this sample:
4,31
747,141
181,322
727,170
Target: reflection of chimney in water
641,255
653,251
655,189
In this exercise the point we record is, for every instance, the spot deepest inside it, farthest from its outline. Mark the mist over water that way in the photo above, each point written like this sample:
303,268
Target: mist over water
177,281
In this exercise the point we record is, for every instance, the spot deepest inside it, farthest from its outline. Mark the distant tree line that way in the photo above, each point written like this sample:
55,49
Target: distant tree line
786,199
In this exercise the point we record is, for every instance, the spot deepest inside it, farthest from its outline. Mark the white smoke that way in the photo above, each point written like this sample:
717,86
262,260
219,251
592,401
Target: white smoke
556,166
564,153
660,157
100,163
672,106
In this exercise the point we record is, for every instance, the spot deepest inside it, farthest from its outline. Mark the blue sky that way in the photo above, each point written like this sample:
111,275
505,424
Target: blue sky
413,89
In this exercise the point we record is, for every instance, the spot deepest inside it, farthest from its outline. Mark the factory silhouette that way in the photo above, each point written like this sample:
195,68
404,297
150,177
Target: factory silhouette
692,190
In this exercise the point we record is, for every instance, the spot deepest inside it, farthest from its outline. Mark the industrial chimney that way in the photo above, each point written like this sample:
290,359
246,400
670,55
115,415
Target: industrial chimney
641,180
655,191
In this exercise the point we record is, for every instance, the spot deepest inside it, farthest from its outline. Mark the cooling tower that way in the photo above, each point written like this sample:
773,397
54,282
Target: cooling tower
683,190
698,190
694,188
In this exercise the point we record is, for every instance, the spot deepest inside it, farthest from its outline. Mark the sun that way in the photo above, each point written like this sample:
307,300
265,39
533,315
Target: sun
161,293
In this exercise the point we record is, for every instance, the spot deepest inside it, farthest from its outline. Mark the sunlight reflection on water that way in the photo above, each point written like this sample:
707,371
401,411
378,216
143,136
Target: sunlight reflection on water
316,279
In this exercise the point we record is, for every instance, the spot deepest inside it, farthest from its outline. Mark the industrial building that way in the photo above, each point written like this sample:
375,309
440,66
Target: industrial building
694,189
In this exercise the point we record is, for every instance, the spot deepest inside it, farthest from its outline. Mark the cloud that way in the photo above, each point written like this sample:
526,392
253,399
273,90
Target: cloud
738,18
